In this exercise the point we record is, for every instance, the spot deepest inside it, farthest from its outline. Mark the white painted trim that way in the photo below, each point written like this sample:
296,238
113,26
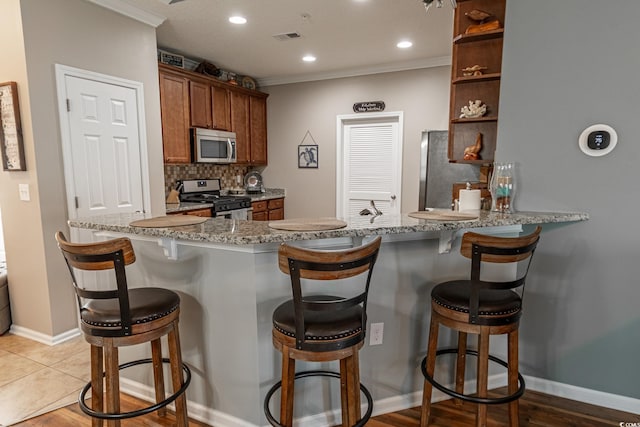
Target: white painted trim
196,411
401,402
43,338
131,11
585,395
344,119
440,61
65,133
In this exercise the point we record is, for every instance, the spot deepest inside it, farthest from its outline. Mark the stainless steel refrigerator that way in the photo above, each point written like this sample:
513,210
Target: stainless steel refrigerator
437,175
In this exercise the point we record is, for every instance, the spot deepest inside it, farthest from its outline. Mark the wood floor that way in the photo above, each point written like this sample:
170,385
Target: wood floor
536,409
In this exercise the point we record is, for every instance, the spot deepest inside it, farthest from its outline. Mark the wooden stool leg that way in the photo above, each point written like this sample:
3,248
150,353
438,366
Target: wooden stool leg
483,375
287,389
112,376
350,389
175,359
514,414
97,365
461,365
431,366
158,374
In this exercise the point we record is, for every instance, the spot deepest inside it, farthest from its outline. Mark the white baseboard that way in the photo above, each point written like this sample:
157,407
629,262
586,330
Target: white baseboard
399,403
585,395
196,411
43,338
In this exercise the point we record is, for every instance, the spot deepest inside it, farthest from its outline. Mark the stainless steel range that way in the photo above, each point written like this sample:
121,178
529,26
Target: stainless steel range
208,191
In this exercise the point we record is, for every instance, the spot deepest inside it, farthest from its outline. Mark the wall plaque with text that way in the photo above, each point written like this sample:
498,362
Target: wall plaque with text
367,107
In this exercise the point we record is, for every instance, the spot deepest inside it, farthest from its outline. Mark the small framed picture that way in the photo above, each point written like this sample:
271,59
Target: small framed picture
307,156
172,59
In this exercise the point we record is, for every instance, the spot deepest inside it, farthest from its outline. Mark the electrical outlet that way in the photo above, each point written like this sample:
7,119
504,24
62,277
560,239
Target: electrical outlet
376,330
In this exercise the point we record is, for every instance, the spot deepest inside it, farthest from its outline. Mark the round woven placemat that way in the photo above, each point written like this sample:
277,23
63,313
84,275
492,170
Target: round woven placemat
308,224
444,215
169,221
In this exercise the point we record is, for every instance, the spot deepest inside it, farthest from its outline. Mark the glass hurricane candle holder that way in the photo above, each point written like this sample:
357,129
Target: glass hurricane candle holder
503,187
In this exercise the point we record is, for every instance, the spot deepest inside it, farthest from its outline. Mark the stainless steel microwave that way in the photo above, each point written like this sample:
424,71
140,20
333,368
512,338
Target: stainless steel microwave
213,146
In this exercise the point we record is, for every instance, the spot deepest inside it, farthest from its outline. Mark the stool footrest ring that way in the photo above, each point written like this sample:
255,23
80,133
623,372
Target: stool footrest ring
316,373
469,398
139,412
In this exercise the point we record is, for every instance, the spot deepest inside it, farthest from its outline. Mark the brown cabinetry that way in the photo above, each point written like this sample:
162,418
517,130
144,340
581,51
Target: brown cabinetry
249,122
209,106
258,129
475,44
268,210
190,99
174,105
240,125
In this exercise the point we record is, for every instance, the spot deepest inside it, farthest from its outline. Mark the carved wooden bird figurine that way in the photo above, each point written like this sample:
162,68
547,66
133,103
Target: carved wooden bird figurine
472,152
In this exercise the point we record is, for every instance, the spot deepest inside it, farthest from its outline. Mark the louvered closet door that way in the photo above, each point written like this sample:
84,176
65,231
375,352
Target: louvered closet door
372,166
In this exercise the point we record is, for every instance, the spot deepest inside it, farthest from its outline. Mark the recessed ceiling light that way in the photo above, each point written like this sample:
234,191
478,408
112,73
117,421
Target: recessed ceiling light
308,58
405,44
238,20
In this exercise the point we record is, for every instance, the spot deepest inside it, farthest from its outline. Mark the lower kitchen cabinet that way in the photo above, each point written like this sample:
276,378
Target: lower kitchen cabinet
268,210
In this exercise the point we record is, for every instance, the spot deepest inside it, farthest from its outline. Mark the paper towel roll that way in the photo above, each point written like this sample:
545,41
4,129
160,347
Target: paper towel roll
469,200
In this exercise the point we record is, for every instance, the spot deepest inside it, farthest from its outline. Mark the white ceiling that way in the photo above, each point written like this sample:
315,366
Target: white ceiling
349,37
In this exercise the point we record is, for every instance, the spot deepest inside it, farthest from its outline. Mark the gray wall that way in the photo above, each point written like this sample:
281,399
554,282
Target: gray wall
567,65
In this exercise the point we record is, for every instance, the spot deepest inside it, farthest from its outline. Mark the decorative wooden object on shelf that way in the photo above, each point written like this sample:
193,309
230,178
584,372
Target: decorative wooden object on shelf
473,151
475,75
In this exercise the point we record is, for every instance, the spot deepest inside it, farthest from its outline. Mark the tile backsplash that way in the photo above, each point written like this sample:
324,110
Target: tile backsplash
226,173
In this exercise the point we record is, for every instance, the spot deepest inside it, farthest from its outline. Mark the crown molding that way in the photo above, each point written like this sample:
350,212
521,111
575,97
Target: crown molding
131,11
439,61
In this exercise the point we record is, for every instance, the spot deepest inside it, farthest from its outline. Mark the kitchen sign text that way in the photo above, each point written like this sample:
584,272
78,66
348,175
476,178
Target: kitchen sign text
366,107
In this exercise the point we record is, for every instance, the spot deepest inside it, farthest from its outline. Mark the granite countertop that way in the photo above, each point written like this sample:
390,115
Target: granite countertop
241,232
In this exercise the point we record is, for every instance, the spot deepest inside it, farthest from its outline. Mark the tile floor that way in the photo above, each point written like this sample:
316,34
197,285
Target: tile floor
36,378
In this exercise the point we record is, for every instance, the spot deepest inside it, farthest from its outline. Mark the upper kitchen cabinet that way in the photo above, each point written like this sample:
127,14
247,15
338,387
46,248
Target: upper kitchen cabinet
258,129
174,105
249,122
475,80
209,105
190,99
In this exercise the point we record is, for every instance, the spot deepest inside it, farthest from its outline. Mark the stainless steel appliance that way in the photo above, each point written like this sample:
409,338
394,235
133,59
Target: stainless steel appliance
208,191
213,146
437,174
253,182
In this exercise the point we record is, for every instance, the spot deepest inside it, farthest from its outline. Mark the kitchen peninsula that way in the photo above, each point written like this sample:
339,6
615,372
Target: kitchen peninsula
228,279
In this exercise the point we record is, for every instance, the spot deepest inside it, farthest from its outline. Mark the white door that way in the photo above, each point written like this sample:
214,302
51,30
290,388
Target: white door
105,147
104,150
369,163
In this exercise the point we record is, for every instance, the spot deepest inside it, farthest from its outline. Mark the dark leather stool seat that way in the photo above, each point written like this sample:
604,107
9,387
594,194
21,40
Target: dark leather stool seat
322,327
121,317
483,308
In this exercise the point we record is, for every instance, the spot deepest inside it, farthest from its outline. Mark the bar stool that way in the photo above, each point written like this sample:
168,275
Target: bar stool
322,328
483,308
122,317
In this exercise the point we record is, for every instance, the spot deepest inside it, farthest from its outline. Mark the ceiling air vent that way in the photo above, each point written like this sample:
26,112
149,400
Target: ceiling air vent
287,36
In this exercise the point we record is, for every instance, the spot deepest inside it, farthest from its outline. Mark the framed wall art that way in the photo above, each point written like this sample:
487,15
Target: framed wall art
308,154
10,129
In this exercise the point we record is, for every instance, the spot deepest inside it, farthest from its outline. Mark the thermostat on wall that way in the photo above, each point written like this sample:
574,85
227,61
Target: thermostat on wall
598,140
